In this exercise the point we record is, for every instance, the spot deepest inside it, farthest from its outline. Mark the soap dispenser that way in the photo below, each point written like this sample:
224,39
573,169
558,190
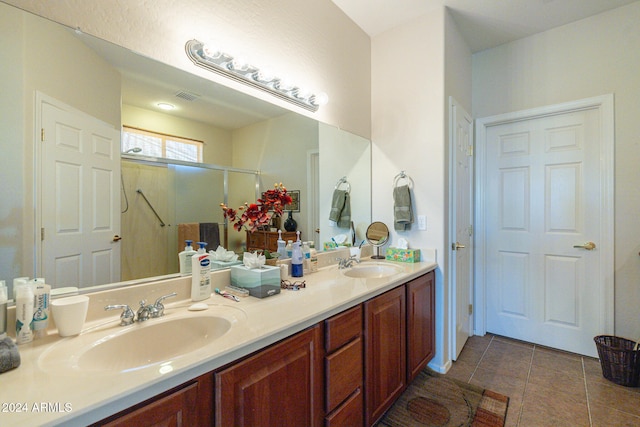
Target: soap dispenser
282,249
185,257
296,261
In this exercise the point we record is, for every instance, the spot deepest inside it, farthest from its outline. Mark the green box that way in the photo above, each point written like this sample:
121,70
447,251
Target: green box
403,255
260,282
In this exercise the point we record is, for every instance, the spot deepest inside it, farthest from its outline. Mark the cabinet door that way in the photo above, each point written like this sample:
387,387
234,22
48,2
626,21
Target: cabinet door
279,386
385,352
420,323
191,405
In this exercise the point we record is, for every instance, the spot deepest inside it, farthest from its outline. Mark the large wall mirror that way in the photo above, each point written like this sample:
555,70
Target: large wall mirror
249,145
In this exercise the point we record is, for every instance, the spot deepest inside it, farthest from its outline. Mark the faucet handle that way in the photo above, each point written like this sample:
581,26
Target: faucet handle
159,307
127,316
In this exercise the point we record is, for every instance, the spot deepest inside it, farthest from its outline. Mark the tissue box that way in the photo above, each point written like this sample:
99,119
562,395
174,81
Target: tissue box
260,282
403,255
216,265
329,246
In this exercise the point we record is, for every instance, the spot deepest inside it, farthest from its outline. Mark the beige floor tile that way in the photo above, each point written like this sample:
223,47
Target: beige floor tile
605,416
542,408
461,370
543,378
558,361
616,397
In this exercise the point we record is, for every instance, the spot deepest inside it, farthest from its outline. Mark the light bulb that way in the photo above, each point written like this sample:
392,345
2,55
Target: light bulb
238,64
211,51
301,93
283,85
319,99
263,76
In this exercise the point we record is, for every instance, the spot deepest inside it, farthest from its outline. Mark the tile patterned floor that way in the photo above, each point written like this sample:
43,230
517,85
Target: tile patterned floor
546,387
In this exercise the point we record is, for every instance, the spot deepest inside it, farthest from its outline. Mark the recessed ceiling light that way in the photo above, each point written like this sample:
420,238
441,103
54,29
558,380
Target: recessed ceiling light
165,106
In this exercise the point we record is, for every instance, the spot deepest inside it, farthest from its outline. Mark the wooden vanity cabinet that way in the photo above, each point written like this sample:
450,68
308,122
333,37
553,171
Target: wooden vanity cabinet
259,240
420,323
343,369
190,404
385,352
278,386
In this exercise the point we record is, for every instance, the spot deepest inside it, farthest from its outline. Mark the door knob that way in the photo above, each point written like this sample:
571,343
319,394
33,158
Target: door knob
588,246
455,246
116,238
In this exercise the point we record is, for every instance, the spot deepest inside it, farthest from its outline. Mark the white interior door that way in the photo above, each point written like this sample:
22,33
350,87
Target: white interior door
546,195
461,271
80,203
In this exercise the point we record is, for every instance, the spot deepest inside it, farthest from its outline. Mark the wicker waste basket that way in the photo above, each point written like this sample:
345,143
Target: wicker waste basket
620,362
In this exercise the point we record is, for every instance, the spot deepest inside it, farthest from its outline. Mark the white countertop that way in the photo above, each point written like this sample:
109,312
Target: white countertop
38,393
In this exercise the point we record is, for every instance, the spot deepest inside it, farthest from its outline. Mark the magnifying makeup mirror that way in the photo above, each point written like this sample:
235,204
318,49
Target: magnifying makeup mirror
377,235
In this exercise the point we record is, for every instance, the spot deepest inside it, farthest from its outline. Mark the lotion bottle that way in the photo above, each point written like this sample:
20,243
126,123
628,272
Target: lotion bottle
296,261
306,258
3,309
185,258
42,298
200,274
24,313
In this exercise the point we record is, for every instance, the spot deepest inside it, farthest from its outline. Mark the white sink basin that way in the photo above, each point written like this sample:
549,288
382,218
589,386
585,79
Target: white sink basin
372,271
128,348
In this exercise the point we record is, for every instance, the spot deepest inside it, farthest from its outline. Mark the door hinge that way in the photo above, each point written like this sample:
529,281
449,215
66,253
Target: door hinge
470,309
470,150
42,233
471,230
41,134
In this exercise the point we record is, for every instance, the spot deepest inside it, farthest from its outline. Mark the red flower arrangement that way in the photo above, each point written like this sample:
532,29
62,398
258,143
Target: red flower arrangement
256,215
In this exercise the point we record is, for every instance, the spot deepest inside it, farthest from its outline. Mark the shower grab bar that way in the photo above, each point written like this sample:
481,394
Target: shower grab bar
162,224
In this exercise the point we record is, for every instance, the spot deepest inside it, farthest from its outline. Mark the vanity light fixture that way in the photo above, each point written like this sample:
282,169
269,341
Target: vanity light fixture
212,59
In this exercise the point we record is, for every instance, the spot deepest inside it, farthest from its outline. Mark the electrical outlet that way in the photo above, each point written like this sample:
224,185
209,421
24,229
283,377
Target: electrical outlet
422,222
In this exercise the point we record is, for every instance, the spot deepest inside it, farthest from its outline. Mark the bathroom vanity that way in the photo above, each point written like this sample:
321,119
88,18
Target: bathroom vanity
338,352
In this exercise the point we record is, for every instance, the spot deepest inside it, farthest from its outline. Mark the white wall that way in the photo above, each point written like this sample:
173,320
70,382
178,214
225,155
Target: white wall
407,95
311,41
344,155
595,56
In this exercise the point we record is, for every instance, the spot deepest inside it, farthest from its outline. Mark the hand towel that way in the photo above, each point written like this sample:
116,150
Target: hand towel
188,231
210,233
9,356
337,204
402,211
345,214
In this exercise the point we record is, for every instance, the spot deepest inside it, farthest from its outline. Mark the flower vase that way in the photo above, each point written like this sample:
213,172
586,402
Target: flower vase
290,224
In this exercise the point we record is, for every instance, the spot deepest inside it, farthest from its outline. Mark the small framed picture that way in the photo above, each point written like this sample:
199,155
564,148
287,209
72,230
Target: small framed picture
295,204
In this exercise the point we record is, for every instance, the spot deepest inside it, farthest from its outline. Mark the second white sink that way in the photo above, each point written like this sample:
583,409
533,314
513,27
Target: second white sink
372,271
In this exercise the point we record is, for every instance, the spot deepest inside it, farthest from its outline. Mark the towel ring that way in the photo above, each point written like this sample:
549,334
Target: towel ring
400,176
341,181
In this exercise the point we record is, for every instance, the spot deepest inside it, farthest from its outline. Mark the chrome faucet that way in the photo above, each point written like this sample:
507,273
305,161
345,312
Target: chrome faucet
127,317
158,307
347,262
145,311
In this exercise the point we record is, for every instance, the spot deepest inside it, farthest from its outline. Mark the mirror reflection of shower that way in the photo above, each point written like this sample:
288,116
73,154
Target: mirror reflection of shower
133,150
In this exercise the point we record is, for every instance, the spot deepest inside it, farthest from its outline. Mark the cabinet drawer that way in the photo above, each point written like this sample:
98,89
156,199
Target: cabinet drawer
350,413
342,328
343,373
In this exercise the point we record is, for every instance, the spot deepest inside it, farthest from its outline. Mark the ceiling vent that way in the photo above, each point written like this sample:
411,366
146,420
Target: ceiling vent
187,96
